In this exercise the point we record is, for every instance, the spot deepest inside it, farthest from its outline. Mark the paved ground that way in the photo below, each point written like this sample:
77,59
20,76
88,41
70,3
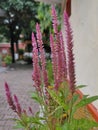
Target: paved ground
20,81
2,69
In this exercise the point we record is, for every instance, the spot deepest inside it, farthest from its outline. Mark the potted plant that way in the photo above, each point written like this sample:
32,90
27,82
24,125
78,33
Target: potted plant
21,52
3,64
8,60
59,98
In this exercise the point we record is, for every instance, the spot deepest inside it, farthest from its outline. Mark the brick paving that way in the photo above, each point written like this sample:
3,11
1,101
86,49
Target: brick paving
20,82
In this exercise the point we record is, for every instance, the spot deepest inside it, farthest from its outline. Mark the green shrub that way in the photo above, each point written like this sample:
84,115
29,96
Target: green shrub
21,51
8,60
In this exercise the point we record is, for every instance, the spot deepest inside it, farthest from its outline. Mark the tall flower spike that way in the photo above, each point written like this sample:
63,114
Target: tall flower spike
54,57
18,107
63,58
42,55
54,20
36,76
70,55
57,47
9,97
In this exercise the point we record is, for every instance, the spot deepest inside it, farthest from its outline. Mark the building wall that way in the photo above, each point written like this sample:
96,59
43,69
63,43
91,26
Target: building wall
84,21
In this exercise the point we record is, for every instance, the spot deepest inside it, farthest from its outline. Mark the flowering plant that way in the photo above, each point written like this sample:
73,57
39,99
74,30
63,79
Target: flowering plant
57,97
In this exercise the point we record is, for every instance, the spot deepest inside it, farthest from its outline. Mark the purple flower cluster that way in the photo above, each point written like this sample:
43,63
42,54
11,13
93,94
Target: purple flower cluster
58,53
62,61
9,98
70,55
36,68
14,102
42,55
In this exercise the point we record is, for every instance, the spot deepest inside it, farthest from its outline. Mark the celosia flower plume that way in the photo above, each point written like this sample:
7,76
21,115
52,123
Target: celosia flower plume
14,104
56,50
70,55
42,55
53,57
17,104
54,20
9,97
36,75
63,58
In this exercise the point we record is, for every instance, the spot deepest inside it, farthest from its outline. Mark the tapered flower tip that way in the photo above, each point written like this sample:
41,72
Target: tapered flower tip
53,11
38,30
37,26
15,98
32,36
33,39
17,105
65,14
6,87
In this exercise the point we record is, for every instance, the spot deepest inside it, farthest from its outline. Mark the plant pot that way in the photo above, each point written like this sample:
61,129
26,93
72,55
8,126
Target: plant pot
91,108
20,57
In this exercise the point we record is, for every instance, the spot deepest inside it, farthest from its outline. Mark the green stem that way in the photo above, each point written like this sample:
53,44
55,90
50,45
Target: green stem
70,114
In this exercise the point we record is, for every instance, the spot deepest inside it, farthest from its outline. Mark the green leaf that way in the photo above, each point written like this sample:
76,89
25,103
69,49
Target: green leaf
58,111
80,124
80,86
85,124
18,126
36,120
86,101
85,96
36,97
75,98
66,126
57,99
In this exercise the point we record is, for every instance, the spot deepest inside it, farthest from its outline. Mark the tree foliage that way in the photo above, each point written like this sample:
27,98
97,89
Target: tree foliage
17,20
18,16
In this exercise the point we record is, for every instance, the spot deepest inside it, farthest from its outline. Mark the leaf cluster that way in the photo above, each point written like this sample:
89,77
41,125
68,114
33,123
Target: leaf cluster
60,111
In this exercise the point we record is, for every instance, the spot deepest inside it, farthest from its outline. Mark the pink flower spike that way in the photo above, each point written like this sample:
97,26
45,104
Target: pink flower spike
54,20
63,59
18,107
57,48
36,76
70,55
54,57
42,55
7,87
9,97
